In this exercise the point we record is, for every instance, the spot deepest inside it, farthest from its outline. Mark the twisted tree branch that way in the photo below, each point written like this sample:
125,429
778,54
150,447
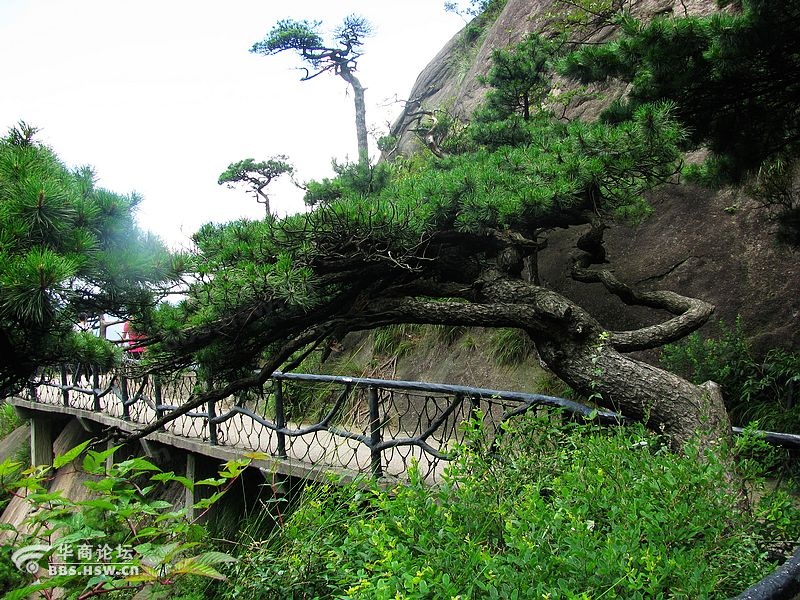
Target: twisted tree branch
691,313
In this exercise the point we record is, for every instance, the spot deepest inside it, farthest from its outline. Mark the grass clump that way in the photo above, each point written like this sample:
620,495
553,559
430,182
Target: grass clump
448,334
510,347
396,340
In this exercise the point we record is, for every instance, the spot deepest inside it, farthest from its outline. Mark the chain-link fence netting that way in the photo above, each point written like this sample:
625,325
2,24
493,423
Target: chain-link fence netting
368,426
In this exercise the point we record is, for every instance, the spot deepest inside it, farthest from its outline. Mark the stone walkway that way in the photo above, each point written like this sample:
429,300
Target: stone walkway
320,449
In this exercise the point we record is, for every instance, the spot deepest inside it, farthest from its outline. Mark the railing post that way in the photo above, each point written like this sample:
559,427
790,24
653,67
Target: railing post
158,398
280,418
96,389
212,428
64,384
375,432
32,391
475,405
123,388
212,414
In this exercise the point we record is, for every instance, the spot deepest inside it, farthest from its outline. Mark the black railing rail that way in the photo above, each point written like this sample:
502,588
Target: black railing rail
525,398
373,426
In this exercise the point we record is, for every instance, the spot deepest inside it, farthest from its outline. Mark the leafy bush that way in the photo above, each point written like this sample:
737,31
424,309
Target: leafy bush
10,576
156,543
9,419
753,390
567,512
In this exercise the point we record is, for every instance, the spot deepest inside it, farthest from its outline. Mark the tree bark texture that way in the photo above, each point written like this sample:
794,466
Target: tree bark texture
589,358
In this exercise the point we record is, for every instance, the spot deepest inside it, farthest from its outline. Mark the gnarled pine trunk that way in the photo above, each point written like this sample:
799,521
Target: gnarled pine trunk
586,356
662,400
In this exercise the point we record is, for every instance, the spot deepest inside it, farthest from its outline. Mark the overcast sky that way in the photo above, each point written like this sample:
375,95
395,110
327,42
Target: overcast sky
161,95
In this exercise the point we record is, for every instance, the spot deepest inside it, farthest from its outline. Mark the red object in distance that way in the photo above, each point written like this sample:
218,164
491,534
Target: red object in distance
132,337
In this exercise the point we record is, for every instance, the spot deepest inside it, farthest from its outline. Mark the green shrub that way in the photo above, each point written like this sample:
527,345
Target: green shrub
10,576
291,564
9,419
753,390
157,543
568,512
8,481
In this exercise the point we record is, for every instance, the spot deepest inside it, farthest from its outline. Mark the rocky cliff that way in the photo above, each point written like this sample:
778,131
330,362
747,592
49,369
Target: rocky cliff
712,244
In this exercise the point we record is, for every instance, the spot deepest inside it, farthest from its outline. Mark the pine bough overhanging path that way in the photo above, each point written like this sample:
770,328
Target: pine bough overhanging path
448,244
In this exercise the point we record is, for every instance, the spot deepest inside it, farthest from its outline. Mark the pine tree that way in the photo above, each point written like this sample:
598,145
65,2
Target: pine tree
734,78
520,80
67,249
256,176
303,37
444,242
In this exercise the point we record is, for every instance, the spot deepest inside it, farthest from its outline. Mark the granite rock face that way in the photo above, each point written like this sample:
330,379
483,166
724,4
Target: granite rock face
451,79
714,245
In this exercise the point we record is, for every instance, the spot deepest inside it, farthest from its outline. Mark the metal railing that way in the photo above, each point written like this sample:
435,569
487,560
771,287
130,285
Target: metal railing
373,426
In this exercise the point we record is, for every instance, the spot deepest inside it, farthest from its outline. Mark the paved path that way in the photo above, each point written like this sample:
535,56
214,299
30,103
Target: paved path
321,451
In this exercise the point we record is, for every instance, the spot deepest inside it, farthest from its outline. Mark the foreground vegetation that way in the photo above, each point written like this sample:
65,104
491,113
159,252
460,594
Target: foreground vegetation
556,510
123,538
573,511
